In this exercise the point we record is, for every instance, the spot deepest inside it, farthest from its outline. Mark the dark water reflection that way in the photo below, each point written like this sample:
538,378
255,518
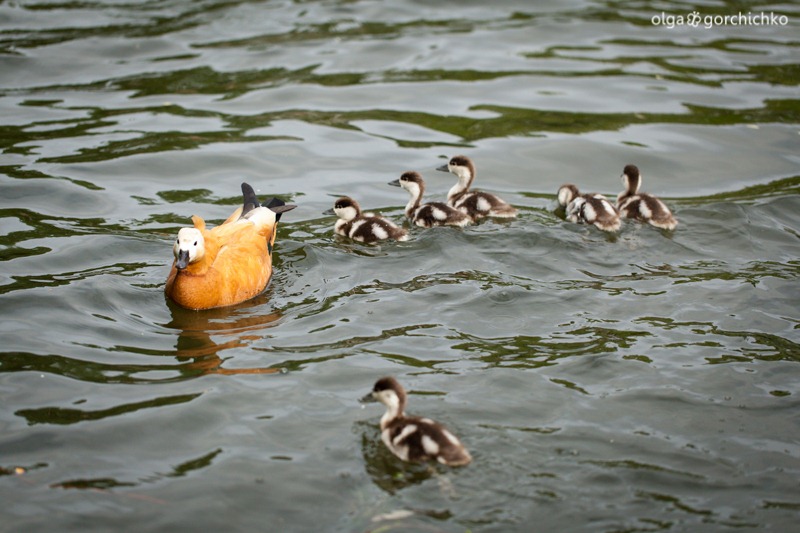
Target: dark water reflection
644,381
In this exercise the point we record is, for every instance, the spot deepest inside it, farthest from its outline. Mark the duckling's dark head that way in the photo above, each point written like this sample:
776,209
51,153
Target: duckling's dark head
345,208
567,193
389,392
631,178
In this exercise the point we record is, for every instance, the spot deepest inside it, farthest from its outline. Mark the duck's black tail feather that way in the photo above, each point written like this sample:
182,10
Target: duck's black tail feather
250,199
276,205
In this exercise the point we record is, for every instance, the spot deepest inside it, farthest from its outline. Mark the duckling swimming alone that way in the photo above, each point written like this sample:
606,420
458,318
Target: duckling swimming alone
591,208
641,206
476,204
363,227
230,263
429,214
413,438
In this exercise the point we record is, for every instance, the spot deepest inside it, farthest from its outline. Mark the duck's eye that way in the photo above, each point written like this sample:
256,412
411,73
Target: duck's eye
177,241
195,243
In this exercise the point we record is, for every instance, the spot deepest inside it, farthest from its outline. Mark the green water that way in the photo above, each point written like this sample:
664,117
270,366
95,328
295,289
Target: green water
644,381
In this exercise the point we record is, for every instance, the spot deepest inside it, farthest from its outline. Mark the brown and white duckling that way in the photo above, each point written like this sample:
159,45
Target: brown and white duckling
363,227
641,206
429,214
413,438
590,208
476,204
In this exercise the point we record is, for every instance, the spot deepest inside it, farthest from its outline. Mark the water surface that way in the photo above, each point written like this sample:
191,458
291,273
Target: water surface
645,381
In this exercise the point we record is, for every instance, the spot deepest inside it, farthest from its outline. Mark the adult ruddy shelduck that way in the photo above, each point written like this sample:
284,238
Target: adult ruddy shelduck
230,263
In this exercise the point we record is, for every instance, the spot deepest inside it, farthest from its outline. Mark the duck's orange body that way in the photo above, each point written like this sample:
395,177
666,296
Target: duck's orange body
228,264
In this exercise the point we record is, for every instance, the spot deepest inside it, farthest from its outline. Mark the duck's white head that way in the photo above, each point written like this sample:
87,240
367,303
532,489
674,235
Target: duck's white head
631,179
346,208
189,247
567,193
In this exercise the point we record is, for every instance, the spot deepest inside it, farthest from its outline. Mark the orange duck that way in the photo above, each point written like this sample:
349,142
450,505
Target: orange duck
227,264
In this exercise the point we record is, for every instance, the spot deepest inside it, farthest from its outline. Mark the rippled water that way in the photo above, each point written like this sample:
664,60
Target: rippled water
646,381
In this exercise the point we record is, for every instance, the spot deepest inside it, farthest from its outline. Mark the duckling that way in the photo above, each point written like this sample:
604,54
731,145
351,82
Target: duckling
476,204
363,227
432,213
413,438
230,263
591,208
641,206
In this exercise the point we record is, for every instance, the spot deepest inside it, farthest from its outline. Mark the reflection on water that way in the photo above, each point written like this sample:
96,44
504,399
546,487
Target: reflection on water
238,326
627,382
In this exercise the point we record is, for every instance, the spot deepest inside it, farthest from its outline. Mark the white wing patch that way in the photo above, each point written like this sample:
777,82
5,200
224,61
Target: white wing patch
607,207
438,214
452,438
589,214
357,224
645,211
400,451
408,430
483,204
429,445
379,232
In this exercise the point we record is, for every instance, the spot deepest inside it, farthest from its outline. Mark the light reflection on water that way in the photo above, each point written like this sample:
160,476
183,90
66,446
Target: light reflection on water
640,381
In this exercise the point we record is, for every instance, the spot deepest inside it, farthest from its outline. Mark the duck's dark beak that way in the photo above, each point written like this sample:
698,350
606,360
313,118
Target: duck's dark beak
395,183
369,398
182,261
443,168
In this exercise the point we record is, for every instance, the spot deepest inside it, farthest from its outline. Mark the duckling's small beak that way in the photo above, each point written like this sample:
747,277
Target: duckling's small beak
182,261
395,183
443,168
328,212
369,398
